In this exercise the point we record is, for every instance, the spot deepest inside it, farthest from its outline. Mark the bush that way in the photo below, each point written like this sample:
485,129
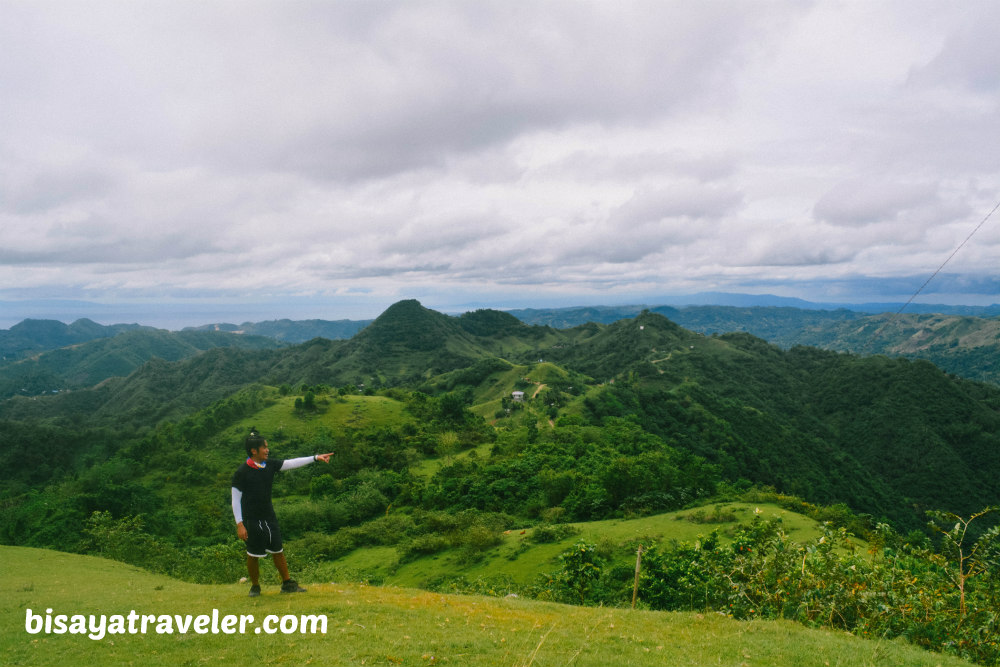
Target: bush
421,545
580,569
326,547
547,533
216,563
126,541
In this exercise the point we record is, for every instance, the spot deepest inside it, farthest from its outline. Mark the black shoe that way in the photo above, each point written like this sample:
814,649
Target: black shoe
254,591
291,586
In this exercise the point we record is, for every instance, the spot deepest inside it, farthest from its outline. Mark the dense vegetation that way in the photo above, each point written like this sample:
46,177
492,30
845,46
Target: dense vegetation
114,355
32,336
960,344
435,455
291,331
897,587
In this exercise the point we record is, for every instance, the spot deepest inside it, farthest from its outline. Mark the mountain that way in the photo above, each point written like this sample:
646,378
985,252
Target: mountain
721,302
964,345
889,437
33,336
297,331
441,470
833,427
90,363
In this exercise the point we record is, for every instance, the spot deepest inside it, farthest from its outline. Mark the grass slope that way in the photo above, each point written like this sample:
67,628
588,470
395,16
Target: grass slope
281,420
523,559
391,626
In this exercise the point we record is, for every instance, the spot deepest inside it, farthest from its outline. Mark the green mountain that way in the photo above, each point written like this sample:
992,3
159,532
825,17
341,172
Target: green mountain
297,331
889,438
155,391
963,345
33,336
618,434
409,344
831,427
90,363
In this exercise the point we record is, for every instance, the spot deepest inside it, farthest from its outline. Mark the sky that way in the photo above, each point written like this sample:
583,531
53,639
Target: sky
191,162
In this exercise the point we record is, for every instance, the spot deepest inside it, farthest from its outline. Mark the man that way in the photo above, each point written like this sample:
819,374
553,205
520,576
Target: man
256,523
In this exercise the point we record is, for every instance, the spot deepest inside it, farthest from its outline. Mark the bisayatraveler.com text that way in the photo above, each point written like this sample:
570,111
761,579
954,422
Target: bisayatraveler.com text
98,626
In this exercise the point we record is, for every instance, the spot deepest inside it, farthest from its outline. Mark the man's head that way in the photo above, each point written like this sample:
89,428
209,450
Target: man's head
256,445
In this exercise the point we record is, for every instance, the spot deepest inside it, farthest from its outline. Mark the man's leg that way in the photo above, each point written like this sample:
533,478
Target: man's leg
253,569
281,564
288,585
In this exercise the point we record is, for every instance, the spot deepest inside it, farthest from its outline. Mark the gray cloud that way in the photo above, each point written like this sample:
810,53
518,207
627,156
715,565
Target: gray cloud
866,201
393,149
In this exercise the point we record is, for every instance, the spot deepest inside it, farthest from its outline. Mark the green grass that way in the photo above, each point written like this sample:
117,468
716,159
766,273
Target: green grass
522,561
281,420
426,468
368,625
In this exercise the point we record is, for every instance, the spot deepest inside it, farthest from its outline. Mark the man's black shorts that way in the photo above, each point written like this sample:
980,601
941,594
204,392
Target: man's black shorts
263,537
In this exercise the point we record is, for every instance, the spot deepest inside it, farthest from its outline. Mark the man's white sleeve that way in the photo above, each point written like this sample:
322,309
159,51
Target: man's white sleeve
292,464
237,505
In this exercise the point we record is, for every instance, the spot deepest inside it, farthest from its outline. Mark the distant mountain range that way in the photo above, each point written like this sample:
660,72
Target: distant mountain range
291,331
889,437
965,345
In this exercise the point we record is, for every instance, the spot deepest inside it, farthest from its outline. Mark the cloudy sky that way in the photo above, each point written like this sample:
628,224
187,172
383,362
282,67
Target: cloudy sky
325,159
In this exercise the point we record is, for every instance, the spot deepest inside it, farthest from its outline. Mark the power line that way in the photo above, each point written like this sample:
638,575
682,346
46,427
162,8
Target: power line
933,275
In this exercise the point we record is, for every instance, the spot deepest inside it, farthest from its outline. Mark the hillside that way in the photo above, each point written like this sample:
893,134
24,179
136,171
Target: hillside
377,625
961,344
635,432
90,363
889,438
964,345
297,331
32,336
780,417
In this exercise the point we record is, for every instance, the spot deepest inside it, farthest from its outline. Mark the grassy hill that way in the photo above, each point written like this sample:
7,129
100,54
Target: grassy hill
522,555
387,625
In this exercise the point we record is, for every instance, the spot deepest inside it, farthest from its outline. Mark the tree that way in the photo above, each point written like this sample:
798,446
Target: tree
965,561
581,568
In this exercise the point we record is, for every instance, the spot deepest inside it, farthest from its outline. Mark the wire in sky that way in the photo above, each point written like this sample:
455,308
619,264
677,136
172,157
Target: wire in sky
933,275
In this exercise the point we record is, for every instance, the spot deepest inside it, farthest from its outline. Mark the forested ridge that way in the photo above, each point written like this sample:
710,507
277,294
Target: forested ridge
434,455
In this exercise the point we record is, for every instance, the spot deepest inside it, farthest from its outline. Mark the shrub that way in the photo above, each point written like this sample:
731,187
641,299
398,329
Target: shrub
421,545
547,533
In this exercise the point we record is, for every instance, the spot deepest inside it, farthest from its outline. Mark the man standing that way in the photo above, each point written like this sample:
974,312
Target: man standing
256,523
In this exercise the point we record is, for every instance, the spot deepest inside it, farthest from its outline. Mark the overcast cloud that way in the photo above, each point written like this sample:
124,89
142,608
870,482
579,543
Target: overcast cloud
350,154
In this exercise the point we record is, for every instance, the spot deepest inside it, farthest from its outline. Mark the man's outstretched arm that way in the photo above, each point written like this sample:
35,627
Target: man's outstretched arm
292,464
